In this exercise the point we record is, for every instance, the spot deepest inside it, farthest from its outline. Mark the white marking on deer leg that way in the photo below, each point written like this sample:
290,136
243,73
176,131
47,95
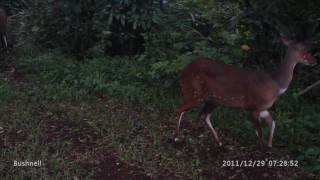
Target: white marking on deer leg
271,133
178,126
5,41
264,114
212,129
180,119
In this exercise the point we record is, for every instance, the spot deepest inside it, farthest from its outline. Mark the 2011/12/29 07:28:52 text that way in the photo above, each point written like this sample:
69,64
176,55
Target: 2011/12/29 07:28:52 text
260,163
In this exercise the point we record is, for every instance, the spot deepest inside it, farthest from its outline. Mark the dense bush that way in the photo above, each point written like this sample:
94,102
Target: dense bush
114,27
123,27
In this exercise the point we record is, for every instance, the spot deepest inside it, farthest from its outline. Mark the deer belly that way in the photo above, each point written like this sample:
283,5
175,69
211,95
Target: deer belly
235,101
260,104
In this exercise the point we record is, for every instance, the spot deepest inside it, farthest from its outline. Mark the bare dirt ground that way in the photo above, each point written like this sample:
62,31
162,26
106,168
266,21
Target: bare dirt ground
107,164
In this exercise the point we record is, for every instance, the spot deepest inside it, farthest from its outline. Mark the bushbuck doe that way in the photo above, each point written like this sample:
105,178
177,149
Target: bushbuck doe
214,83
3,29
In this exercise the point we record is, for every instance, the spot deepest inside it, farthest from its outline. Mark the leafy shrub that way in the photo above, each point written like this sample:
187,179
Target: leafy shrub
79,26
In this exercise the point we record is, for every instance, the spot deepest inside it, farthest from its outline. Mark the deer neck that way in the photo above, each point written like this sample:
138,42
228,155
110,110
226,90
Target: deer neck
284,74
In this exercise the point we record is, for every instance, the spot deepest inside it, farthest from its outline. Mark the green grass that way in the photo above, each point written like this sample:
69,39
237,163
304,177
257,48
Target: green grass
61,78
21,139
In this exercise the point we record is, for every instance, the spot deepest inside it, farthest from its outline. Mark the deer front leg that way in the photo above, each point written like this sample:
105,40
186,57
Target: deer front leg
257,125
178,122
180,112
271,124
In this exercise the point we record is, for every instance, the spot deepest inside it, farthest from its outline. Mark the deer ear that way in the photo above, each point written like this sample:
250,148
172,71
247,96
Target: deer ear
286,41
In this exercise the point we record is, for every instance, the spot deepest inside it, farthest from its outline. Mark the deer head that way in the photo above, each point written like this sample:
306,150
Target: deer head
299,51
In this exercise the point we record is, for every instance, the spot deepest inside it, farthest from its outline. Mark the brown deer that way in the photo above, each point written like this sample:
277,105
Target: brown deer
3,29
214,83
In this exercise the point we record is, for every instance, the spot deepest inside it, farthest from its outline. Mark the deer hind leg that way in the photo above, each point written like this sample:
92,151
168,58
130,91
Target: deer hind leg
271,124
207,110
257,124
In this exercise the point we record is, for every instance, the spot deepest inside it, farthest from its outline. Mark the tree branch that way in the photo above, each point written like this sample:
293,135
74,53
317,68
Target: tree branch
309,88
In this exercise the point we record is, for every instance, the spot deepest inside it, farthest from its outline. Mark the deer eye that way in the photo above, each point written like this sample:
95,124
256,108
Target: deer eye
305,54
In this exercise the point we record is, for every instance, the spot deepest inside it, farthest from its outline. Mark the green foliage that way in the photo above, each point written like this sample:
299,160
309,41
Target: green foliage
125,27
298,120
290,18
268,20
80,26
100,77
15,6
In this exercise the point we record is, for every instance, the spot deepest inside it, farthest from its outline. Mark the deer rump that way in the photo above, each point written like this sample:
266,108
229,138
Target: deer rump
208,80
